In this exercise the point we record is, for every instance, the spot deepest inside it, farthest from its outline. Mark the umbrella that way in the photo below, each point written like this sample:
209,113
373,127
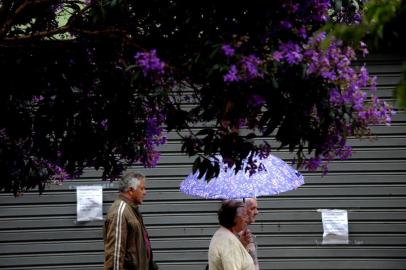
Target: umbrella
274,177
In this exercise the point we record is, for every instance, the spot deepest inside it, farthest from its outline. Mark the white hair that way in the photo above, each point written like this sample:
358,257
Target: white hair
241,211
130,180
249,201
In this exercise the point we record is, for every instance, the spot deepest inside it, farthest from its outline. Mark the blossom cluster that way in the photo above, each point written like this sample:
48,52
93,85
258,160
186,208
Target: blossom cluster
347,91
155,136
153,68
247,67
346,84
149,62
57,173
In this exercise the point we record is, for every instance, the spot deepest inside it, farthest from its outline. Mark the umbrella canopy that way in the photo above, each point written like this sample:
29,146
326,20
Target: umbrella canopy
274,177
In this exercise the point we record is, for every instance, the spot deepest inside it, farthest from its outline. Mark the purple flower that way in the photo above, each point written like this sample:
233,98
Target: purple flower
293,57
149,62
285,24
231,75
310,53
346,74
292,52
302,32
363,77
319,9
256,101
344,152
37,99
372,83
104,124
56,173
335,97
57,8
313,163
150,159
250,65
329,75
357,18
228,50
363,115
358,100
349,53
317,39
364,49
277,56
154,131
154,136
378,112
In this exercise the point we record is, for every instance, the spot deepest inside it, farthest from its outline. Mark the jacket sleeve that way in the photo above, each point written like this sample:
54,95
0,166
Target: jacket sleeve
115,234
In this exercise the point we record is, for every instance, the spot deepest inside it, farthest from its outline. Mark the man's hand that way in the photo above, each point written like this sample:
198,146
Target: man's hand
245,237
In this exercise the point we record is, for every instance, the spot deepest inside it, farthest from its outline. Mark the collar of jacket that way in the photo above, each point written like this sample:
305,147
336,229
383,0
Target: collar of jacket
134,207
129,202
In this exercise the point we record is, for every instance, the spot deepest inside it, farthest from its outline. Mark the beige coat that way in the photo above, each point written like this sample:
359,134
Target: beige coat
227,253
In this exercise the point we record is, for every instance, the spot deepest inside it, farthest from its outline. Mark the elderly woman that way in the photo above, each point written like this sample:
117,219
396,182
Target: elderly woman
226,251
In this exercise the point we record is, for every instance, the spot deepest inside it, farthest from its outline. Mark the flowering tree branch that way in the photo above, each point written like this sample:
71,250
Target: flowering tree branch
108,96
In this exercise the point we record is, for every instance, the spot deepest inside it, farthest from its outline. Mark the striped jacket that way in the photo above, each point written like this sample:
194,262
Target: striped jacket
125,238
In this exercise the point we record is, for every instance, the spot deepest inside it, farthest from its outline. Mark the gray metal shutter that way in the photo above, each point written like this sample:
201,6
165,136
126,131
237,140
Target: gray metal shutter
40,232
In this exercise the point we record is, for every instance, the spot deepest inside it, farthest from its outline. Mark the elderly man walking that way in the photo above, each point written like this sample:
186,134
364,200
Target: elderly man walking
126,241
246,237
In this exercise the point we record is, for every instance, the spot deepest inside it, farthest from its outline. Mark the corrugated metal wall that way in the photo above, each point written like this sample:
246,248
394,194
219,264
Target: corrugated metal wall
40,231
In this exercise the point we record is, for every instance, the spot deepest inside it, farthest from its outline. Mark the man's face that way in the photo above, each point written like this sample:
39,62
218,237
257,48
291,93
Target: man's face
137,195
252,210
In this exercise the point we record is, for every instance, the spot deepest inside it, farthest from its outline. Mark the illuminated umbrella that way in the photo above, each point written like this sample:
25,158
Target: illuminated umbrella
273,177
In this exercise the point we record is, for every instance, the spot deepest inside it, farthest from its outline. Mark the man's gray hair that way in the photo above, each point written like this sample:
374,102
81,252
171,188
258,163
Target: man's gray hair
241,211
130,180
249,201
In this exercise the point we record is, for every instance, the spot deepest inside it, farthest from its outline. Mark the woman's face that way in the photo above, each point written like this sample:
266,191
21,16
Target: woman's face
241,219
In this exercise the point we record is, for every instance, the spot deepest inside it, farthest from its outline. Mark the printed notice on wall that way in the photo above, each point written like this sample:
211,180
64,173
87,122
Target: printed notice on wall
335,226
89,203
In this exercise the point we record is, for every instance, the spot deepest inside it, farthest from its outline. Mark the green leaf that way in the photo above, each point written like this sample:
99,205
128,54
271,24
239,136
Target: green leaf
130,67
196,164
213,53
205,131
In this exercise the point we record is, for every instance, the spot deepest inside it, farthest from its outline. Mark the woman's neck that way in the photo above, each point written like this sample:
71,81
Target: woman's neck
233,230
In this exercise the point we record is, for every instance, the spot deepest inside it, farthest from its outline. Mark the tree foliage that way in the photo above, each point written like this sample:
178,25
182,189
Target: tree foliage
381,29
99,83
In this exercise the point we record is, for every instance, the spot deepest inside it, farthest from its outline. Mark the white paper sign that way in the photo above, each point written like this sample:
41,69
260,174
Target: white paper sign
89,203
335,226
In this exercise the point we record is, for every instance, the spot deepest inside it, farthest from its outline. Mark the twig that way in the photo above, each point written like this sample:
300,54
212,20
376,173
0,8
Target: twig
8,23
42,34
